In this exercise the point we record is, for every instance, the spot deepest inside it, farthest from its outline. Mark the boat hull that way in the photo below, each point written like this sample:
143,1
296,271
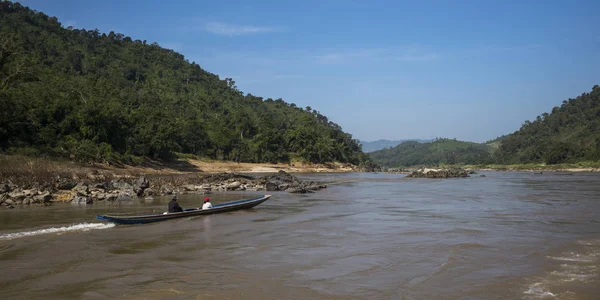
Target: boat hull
219,208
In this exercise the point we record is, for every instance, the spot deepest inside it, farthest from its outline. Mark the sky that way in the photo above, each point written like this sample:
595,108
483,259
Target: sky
470,70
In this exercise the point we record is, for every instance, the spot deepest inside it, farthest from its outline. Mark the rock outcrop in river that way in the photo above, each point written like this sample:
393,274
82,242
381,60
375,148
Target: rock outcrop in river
439,173
123,189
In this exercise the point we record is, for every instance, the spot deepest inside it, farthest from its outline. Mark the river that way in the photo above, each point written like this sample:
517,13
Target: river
510,235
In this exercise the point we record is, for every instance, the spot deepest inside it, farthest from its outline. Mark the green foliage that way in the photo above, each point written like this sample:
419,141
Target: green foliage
93,96
438,152
569,134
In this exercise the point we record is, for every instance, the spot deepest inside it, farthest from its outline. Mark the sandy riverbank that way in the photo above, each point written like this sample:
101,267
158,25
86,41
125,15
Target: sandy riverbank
22,168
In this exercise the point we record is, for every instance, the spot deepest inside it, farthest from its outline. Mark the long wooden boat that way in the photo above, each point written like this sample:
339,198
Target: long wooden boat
190,212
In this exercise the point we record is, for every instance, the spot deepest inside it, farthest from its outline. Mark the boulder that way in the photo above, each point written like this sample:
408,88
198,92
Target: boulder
82,189
270,186
9,202
16,195
100,196
124,197
111,197
438,173
234,185
140,185
65,183
82,200
190,187
297,191
3,197
42,198
148,192
120,185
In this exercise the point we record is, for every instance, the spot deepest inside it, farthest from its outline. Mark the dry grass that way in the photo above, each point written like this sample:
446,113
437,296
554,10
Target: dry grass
24,171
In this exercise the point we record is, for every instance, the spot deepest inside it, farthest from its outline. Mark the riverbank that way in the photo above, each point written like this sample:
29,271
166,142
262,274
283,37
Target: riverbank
574,167
577,167
25,180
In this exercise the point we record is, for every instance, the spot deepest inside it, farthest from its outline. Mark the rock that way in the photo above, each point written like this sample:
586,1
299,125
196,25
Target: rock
27,201
483,175
120,185
124,197
30,193
234,185
472,172
314,187
65,183
4,188
16,195
270,186
82,200
43,198
140,185
100,196
296,191
190,187
82,189
438,173
111,197
148,192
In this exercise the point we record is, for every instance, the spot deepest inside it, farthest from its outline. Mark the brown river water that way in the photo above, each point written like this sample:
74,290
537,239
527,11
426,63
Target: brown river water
509,235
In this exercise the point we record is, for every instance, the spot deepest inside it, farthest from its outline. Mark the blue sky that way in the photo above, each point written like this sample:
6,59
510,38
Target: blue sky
471,70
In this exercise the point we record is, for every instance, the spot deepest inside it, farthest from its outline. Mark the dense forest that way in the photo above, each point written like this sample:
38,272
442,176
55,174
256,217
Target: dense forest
439,152
95,96
382,144
570,133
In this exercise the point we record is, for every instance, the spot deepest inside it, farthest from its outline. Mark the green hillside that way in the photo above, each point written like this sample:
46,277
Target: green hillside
95,96
569,134
438,152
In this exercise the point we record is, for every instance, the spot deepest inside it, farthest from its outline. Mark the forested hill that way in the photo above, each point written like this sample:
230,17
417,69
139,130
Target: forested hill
440,151
570,133
382,144
107,97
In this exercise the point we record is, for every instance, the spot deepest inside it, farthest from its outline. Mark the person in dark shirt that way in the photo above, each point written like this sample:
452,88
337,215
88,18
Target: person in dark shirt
174,206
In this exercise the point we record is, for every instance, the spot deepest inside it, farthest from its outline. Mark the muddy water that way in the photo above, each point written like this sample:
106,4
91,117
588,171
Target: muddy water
372,236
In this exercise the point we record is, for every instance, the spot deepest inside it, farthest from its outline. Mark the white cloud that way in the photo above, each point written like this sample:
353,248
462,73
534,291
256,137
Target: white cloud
225,29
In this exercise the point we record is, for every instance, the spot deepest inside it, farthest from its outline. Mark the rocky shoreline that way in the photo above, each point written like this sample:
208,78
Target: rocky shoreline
91,191
441,173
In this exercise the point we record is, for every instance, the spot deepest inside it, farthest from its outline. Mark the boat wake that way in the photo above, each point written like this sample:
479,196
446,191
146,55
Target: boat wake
57,230
576,271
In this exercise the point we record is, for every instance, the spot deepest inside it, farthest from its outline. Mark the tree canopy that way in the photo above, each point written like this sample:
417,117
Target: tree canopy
438,152
569,133
96,96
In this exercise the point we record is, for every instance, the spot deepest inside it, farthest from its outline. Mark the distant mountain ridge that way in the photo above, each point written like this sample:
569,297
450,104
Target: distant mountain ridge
437,152
382,144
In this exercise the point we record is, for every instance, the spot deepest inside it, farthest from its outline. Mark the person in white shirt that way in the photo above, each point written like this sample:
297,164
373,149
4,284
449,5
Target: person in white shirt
206,204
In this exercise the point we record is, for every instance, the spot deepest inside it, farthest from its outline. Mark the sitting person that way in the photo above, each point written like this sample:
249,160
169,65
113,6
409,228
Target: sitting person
207,204
174,206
